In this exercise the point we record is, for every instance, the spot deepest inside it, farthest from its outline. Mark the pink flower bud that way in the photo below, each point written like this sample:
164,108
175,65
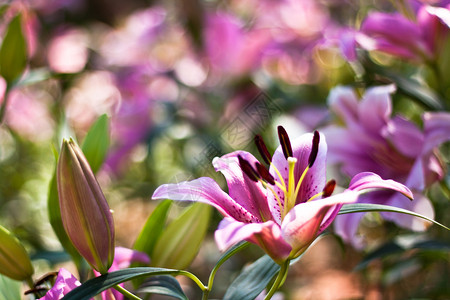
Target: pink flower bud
84,211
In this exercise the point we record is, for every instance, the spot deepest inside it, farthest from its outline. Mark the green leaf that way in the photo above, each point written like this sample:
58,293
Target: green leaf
54,215
409,87
9,289
163,285
179,243
13,52
99,284
252,280
381,252
96,143
395,247
153,228
368,207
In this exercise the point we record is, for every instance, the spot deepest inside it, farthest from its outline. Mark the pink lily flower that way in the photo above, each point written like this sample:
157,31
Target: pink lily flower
64,283
281,209
393,147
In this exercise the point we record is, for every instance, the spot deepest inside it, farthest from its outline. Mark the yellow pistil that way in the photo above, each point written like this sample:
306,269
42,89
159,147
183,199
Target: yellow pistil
289,201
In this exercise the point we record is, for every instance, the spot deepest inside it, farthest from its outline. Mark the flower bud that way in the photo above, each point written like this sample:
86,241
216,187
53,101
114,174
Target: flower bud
14,260
85,213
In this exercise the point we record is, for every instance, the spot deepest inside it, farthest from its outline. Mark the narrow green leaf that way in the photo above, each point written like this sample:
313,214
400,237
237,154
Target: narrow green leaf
9,289
179,243
13,52
395,247
96,143
368,207
381,252
153,228
99,284
252,280
163,285
54,215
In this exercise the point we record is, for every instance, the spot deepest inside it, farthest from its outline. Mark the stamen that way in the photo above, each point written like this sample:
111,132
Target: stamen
329,188
248,169
285,142
314,149
264,173
263,149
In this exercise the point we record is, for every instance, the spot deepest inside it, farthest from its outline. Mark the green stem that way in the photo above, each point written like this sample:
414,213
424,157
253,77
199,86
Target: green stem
193,278
223,259
279,280
126,293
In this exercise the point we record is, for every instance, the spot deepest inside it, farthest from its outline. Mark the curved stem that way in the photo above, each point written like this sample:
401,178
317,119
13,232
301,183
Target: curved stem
223,259
193,278
126,293
282,274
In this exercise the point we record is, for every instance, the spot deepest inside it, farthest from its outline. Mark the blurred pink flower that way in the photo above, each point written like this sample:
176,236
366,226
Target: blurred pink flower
282,209
65,282
91,95
230,48
131,123
67,51
28,114
420,40
393,147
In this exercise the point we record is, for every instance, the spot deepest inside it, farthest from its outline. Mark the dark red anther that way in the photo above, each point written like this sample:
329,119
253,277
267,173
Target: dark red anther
329,188
248,169
285,142
264,173
314,149
263,149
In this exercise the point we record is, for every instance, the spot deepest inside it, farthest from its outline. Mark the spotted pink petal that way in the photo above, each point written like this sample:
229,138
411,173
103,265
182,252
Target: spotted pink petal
205,190
249,194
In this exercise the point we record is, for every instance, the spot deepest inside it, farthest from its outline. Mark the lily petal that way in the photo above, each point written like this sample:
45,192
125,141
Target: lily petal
251,195
437,129
304,222
267,235
205,190
375,108
369,180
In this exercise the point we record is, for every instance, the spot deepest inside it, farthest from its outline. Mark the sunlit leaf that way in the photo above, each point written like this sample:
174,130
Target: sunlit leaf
180,241
368,207
252,280
13,52
153,228
163,285
96,143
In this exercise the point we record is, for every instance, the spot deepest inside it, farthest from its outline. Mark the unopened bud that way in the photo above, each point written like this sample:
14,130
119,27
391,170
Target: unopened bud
14,260
84,210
